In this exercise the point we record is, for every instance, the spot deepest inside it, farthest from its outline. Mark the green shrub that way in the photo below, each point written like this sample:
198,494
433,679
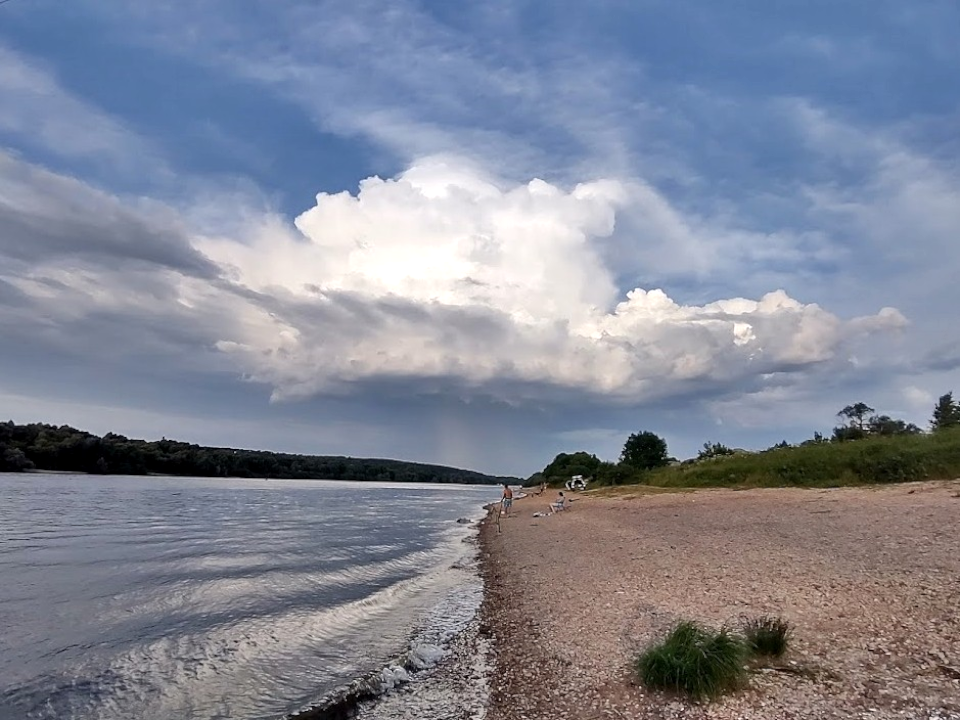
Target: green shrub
882,463
713,450
616,474
694,660
767,635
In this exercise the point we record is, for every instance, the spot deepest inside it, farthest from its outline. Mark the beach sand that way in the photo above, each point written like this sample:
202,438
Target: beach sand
868,577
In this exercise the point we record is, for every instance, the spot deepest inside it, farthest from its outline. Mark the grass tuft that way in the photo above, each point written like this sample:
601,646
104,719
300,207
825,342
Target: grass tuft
694,660
767,635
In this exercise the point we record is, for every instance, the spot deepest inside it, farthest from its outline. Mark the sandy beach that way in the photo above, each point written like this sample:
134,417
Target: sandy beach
868,577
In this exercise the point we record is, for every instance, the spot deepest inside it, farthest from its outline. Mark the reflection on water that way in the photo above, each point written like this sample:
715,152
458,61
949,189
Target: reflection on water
186,598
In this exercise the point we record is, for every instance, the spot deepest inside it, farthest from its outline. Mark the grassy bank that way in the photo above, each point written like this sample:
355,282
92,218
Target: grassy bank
904,458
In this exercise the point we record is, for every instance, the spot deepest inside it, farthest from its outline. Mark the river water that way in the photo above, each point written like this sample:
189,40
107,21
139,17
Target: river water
182,598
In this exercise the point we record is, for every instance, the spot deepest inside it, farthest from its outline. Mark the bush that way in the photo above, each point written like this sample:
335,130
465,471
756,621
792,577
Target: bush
713,450
886,463
694,660
767,636
616,474
13,460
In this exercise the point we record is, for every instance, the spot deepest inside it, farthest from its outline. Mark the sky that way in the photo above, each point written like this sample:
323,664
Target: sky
477,234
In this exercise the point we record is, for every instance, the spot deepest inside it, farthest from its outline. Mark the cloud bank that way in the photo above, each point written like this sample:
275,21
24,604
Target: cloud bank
445,278
444,273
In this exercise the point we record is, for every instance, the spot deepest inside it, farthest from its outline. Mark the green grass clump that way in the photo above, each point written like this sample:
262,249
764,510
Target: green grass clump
694,660
767,635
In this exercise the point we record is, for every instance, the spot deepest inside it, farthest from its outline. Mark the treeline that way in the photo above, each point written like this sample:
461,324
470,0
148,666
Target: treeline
47,447
865,448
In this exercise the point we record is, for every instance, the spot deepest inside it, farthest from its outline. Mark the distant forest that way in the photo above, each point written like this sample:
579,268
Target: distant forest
47,447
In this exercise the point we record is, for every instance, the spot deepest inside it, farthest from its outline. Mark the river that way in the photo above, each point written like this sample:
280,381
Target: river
124,597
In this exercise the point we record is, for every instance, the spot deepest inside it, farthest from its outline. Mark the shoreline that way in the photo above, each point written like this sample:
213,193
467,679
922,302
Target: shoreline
869,578
256,478
442,672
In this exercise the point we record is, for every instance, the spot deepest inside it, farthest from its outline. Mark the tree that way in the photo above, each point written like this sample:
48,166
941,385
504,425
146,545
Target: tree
13,460
886,425
644,451
848,432
946,413
614,474
712,450
23,447
534,479
567,464
856,414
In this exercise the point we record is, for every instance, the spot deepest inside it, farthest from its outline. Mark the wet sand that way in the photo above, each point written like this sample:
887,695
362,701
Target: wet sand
868,577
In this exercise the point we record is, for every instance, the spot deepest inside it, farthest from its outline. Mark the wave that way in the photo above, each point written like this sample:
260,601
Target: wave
221,664
452,616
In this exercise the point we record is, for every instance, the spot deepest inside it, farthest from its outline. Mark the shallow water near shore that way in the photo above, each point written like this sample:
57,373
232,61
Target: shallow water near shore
250,599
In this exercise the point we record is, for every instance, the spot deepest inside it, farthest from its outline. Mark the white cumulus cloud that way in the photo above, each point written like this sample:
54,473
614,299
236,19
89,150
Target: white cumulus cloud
448,274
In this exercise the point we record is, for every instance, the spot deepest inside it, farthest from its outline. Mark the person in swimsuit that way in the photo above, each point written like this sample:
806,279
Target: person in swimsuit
507,500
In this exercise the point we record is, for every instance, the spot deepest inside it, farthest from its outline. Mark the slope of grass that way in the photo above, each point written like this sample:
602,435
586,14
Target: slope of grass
872,460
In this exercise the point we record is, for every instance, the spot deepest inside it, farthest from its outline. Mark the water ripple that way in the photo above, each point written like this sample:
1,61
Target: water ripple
180,598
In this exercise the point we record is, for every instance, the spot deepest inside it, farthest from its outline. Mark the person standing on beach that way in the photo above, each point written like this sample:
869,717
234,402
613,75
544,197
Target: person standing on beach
507,500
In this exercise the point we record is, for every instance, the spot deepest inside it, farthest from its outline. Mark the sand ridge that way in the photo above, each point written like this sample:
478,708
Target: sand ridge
869,578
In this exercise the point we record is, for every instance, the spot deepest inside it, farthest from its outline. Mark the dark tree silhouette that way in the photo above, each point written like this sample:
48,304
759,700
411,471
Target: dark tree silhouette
886,425
23,447
712,450
946,413
567,464
856,414
644,451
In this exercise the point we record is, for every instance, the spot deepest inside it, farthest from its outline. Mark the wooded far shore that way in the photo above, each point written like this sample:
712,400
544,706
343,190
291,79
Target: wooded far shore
38,446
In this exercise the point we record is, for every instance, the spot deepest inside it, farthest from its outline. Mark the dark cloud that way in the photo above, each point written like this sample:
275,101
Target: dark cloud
10,295
943,358
45,216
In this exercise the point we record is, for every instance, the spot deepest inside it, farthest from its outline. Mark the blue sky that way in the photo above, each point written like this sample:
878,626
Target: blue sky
477,235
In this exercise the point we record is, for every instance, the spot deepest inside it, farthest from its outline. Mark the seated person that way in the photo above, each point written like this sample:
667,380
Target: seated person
559,504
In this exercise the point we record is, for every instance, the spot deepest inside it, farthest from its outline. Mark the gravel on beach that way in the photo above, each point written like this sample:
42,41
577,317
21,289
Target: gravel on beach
868,577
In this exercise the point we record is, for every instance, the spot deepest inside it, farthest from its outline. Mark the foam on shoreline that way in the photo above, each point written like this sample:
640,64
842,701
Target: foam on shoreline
443,674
